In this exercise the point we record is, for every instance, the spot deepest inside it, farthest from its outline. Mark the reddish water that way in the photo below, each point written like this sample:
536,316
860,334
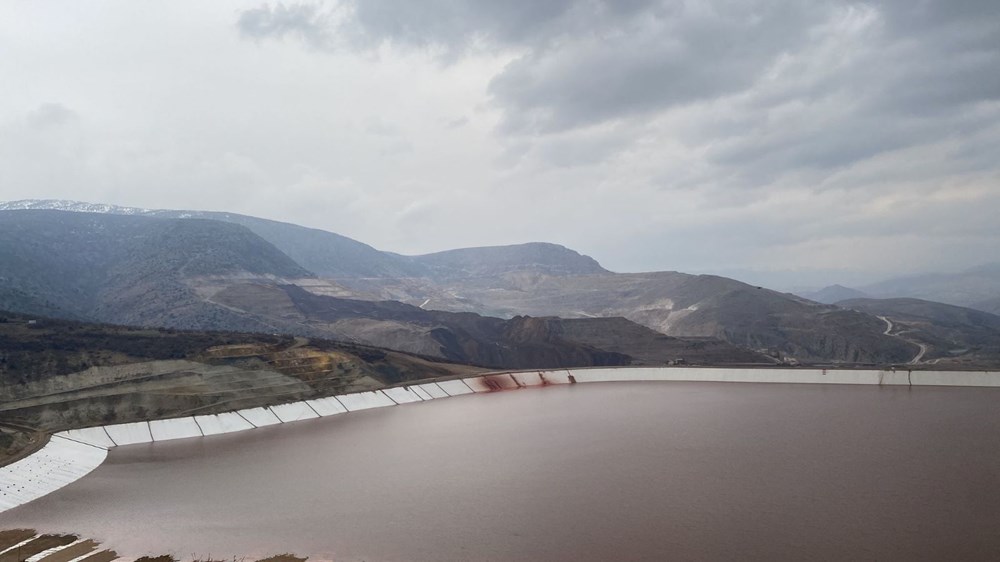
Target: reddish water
634,471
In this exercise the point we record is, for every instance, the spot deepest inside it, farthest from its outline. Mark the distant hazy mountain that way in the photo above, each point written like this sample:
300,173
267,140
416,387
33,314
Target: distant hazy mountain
951,333
542,258
324,253
143,269
977,288
528,279
128,269
833,294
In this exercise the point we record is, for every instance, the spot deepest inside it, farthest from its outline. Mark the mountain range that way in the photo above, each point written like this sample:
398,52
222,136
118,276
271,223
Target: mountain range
523,306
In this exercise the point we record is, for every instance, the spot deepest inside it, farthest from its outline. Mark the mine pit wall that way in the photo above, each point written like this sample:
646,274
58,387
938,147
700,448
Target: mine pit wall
72,454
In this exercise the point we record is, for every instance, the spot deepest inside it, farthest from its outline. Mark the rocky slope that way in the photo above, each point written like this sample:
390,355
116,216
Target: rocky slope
57,374
127,269
951,335
155,284
672,303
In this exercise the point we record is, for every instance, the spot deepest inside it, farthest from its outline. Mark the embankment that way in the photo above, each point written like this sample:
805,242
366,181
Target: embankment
72,454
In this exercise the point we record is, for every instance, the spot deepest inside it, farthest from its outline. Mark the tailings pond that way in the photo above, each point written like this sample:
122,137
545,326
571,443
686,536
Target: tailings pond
603,471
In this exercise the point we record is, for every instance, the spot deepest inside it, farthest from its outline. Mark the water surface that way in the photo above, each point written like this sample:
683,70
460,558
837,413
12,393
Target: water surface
605,471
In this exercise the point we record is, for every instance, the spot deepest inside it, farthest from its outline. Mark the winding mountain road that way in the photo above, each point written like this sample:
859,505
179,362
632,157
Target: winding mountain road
888,332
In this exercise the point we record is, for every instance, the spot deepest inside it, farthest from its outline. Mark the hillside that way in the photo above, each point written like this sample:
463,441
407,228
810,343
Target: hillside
516,343
143,274
324,253
672,303
542,258
128,269
57,374
950,334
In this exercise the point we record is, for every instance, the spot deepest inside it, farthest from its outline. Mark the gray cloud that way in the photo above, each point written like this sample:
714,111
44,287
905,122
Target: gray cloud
306,22
895,74
50,115
652,134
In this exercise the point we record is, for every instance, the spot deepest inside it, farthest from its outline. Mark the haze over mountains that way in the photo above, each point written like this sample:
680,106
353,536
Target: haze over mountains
208,270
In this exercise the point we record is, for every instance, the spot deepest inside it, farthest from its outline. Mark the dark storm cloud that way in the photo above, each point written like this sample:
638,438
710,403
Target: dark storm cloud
586,63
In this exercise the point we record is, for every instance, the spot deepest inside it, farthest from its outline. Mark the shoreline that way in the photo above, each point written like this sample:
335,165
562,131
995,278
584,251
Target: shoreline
69,455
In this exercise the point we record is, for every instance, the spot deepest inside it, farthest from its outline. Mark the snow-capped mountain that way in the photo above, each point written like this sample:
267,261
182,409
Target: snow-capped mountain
75,206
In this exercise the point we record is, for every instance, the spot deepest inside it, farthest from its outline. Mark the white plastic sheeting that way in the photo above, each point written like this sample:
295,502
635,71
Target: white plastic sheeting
90,435
492,383
946,378
129,433
433,390
365,400
421,393
222,423
327,406
69,455
176,428
59,463
259,417
294,412
455,387
799,376
401,395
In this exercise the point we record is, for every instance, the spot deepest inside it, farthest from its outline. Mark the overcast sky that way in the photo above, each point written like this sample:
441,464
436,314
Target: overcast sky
781,142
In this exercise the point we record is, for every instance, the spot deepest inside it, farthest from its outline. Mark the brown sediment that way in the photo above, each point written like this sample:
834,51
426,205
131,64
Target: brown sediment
71,552
14,536
102,556
26,444
163,558
36,546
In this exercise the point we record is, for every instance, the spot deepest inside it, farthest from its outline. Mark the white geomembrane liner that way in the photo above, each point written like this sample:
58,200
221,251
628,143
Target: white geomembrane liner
492,383
259,417
57,464
945,378
222,423
294,412
421,393
176,428
455,387
433,390
365,400
69,455
327,406
528,379
90,435
129,433
402,395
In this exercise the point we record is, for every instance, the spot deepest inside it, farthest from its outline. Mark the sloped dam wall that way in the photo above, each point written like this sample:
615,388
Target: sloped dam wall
70,455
